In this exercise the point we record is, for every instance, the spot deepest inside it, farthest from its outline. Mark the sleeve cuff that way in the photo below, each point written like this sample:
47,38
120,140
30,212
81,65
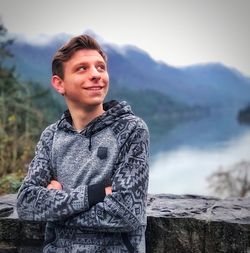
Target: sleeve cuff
96,193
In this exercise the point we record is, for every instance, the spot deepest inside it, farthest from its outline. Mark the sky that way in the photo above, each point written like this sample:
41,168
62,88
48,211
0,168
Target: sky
177,32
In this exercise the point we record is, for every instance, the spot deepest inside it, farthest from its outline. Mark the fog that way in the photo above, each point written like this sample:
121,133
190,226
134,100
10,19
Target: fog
185,170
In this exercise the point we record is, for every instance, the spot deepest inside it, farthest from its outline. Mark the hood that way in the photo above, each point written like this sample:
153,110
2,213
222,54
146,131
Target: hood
114,111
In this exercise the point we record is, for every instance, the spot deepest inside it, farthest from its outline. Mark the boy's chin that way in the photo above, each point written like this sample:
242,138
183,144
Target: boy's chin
95,103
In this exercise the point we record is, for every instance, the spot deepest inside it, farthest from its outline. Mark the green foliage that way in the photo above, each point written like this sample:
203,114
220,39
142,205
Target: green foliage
10,183
244,115
158,110
25,109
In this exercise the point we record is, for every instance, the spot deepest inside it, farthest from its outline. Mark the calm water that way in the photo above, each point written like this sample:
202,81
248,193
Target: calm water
187,156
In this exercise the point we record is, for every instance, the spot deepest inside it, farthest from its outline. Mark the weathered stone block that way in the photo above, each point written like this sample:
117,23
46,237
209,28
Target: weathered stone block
198,224
176,224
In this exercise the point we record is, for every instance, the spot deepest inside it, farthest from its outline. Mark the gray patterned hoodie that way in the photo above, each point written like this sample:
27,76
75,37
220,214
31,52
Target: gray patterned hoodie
112,149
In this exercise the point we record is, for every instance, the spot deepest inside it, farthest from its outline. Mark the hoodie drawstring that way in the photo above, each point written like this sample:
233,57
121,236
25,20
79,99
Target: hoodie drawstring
90,133
90,143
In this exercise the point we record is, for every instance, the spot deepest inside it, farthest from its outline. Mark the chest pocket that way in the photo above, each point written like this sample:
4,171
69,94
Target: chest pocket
102,153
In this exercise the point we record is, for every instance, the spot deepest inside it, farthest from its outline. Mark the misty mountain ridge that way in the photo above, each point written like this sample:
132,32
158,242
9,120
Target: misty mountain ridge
212,84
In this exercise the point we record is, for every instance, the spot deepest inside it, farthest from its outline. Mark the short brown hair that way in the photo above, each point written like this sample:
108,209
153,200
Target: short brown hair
65,52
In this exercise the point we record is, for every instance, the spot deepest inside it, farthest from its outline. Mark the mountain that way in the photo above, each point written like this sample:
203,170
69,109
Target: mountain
207,85
210,85
219,84
163,95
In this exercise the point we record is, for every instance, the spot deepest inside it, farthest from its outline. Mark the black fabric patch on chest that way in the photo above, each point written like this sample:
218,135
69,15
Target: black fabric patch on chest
102,152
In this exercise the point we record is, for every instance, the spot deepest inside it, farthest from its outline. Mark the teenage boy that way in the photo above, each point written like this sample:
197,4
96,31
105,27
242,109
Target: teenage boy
89,177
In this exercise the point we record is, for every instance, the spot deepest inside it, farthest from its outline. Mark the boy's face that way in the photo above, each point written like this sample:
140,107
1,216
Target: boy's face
86,80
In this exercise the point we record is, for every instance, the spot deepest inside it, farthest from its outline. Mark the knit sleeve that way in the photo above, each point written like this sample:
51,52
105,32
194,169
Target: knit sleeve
35,201
125,209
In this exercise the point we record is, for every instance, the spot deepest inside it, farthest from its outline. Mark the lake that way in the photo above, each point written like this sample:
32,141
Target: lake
184,158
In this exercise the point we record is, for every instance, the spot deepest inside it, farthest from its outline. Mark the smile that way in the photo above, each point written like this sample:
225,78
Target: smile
94,88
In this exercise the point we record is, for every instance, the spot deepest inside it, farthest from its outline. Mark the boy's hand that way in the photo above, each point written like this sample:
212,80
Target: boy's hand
54,185
108,190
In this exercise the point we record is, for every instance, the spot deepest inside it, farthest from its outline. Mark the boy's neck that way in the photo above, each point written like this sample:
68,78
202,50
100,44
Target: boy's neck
81,117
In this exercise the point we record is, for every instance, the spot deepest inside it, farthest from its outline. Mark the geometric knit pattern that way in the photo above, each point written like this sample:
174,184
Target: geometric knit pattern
112,148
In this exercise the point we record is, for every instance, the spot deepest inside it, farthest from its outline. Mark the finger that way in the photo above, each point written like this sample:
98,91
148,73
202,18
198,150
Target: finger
49,186
108,190
56,185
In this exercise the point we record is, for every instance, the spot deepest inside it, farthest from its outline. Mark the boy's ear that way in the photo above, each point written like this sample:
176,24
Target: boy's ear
57,83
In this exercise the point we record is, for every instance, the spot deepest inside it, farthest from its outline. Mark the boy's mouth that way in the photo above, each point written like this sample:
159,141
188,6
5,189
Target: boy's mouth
94,88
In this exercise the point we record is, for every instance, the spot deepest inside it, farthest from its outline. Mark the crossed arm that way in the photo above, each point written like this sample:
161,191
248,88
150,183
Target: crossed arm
57,186
123,208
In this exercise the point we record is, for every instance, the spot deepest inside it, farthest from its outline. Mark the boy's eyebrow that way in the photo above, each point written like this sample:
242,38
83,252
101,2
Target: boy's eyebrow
87,62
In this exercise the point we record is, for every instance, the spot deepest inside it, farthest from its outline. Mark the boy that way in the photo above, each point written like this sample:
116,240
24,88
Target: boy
89,177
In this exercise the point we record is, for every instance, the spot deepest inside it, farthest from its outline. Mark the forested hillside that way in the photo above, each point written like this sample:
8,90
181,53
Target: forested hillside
210,85
25,109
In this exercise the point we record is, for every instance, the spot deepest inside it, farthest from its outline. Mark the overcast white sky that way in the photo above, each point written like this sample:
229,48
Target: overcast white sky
178,32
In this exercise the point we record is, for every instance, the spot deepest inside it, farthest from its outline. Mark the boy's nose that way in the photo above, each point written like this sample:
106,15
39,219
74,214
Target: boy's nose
95,74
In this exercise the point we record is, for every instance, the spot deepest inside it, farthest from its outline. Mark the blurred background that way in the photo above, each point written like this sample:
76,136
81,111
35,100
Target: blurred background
184,66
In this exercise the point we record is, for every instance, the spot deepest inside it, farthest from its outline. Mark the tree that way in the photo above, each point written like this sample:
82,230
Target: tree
232,182
22,109
244,115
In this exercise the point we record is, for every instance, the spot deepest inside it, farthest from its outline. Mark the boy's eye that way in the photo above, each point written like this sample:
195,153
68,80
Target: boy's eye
101,67
81,68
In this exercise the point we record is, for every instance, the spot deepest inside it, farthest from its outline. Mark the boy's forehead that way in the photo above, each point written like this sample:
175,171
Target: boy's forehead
86,54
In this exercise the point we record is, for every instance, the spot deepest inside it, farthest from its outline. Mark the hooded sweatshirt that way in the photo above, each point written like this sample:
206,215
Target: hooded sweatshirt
111,150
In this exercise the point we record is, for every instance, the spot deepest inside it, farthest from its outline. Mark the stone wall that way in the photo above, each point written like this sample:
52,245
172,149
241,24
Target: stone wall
176,224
